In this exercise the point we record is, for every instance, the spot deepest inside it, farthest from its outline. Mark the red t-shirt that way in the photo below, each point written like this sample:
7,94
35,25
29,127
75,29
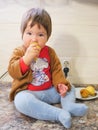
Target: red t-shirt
40,71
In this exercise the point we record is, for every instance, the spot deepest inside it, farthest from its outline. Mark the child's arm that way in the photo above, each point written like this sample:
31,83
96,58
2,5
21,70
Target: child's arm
31,53
14,68
24,68
56,70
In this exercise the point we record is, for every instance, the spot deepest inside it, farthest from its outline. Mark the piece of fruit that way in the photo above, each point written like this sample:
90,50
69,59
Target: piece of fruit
36,45
84,93
91,90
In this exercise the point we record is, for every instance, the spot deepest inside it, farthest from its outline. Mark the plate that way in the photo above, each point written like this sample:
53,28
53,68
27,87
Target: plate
78,95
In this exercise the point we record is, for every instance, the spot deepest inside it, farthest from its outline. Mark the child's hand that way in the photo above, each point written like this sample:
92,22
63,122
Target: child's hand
32,53
62,88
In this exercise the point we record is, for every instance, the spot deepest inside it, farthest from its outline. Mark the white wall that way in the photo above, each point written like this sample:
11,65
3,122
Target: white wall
74,35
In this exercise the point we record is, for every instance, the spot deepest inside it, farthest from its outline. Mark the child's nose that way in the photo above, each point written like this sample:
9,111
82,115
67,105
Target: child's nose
34,38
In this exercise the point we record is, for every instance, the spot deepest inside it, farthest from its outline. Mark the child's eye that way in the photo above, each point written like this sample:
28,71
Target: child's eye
41,35
29,33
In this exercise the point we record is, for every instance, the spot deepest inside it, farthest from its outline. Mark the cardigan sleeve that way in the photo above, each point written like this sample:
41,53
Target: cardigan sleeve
56,70
14,68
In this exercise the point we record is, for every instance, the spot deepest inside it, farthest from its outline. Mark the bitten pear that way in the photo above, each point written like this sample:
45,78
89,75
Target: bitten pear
91,90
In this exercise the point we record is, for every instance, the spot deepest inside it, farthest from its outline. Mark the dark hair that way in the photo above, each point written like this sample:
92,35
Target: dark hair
37,16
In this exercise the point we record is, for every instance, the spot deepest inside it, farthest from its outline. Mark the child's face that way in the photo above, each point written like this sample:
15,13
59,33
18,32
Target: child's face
35,34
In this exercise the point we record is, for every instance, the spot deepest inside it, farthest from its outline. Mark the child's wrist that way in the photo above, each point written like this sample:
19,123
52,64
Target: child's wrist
26,61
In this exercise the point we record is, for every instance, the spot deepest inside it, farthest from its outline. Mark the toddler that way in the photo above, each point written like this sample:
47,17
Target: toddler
38,79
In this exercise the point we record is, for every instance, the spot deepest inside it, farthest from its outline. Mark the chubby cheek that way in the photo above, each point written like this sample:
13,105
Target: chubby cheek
26,41
42,43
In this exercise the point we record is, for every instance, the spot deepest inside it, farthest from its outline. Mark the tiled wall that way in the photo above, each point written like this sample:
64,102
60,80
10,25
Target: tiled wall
74,35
